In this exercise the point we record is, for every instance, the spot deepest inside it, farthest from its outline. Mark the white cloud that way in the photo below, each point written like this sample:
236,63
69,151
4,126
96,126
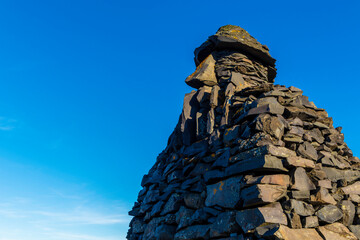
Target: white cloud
28,219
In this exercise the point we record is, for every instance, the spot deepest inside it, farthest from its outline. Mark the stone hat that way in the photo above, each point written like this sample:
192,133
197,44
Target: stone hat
236,38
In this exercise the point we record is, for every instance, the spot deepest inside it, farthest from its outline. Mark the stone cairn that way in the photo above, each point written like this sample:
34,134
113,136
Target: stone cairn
248,159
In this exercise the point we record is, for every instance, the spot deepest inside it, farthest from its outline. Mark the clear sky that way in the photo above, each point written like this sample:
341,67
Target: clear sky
91,90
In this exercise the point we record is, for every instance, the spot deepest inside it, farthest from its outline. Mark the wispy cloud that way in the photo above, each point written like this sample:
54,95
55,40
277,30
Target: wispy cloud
7,124
83,216
71,221
70,236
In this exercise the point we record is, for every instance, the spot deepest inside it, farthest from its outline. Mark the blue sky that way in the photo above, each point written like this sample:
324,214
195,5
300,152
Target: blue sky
91,90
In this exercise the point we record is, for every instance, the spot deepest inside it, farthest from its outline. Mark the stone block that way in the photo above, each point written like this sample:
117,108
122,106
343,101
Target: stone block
336,231
225,193
249,219
262,193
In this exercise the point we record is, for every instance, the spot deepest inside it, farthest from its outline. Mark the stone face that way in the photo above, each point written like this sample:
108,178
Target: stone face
336,231
329,214
251,218
248,159
204,74
224,193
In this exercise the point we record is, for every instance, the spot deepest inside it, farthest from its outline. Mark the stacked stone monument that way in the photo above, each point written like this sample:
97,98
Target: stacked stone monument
248,159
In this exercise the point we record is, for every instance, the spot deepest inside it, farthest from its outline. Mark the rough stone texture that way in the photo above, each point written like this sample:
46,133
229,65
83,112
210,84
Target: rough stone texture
251,218
224,193
329,214
248,159
285,233
336,231
204,74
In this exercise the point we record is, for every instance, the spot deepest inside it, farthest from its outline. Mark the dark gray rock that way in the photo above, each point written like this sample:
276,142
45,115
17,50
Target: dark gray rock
266,231
225,193
348,209
214,175
165,232
276,179
311,222
237,79
183,217
252,218
231,134
138,225
308,151
336,231
188,118
295,221
265,163
262,193
316,135
200,232
156,209
300,195
173,204
196,148
200,169
200,216
336,174
329,214
301,181
273,108
301,208
224,225
149,232
303,114
355,229
222,160
193,200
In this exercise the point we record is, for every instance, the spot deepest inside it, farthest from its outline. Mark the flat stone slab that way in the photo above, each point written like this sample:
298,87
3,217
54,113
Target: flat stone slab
336,231
252,218
285,233
225,193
